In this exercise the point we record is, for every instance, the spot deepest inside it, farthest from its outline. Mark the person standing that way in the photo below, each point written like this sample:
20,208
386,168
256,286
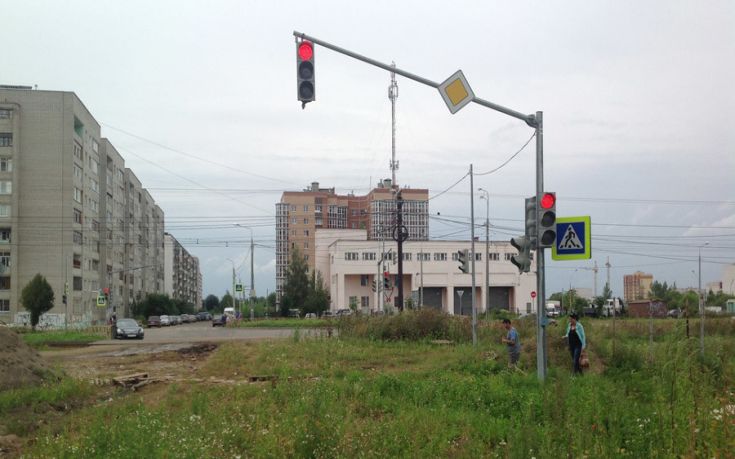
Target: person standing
577,341
513,343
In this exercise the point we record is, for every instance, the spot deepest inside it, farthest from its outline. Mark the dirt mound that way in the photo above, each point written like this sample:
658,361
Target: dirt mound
198,349
20,365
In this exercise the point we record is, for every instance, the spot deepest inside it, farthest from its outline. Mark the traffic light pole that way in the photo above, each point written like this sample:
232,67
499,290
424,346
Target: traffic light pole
533,120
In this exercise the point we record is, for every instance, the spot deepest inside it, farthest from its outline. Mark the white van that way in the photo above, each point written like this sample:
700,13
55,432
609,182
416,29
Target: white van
230,313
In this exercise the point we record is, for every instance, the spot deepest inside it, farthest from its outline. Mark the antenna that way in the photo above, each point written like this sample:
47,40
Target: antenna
393,95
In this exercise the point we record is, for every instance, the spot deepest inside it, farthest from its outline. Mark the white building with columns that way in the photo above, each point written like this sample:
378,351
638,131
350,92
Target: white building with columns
349,263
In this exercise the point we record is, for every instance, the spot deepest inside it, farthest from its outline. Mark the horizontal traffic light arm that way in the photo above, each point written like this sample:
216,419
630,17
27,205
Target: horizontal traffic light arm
528,119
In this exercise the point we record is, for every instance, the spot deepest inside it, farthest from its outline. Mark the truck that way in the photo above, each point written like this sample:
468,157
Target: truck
553,309
612,306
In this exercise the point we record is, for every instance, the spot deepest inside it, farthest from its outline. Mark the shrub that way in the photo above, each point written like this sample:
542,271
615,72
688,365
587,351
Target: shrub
409,325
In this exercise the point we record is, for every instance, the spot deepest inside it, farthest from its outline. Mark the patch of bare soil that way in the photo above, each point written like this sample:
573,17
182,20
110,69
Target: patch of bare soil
20,364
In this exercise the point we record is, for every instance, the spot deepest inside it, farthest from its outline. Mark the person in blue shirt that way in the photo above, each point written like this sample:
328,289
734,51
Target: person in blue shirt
513,343
577,341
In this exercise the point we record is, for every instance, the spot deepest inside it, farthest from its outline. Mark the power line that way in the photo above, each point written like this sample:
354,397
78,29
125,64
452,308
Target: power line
509,159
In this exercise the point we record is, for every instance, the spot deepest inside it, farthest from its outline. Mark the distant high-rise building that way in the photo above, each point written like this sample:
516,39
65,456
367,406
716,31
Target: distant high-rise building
637,286
182,277
301,213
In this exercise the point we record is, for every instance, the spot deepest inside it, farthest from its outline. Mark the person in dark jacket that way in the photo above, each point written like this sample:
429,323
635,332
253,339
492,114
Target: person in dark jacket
577,341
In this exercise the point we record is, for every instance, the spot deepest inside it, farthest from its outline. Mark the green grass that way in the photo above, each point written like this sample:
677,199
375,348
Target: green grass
372,398
285,323
68,338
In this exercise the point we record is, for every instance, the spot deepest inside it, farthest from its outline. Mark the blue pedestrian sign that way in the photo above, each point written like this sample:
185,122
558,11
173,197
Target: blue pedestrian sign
573,239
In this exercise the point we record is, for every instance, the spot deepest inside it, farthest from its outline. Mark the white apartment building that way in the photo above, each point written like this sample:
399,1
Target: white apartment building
182,277
71,211
348,262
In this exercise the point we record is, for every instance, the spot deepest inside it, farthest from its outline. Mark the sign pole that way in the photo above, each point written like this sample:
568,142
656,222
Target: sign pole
540,267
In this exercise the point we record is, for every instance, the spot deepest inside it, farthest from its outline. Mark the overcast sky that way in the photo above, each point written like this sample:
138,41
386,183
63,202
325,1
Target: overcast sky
200,99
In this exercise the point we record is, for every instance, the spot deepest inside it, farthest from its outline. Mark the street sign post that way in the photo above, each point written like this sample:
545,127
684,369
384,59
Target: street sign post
533,294
573,239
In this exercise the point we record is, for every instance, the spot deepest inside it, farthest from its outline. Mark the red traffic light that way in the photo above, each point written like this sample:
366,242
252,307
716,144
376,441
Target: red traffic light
548,200
306,51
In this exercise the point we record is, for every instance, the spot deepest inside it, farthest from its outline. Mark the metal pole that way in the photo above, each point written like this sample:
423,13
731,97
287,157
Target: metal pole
421,289
487,251
528,119
540,280
701,307
252,277
472,235
400,235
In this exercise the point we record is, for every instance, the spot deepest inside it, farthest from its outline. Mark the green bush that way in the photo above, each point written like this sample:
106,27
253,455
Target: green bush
409,325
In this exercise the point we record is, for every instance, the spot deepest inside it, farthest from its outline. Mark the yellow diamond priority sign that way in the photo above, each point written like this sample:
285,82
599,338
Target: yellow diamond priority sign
456,92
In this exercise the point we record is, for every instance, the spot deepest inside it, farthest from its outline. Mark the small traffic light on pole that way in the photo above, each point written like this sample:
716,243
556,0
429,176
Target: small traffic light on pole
523,259
375,286
305,72
386,280
531,220
464,262
547,220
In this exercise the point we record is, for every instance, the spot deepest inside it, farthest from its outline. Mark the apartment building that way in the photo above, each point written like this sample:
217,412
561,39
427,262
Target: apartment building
300,214
348,262
182,276
637,286
71,211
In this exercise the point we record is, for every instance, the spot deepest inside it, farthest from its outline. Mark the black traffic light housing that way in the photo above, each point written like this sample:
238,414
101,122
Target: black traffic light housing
531,220
463,258
305,84
523,260
547,220
386,281
375,285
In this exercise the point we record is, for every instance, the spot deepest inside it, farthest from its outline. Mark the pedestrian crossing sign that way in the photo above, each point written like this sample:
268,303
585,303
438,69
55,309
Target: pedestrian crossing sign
573,239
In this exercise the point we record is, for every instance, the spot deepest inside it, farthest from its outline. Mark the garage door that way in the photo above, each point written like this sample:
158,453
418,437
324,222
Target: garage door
433,297
499,298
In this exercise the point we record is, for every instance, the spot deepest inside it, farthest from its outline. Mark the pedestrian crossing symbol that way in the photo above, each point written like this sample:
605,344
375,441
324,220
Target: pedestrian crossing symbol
573,239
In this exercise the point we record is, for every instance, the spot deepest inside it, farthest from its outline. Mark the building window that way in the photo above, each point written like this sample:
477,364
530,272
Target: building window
78,151
78,195
365,301
306,207
5,235
364,280
424,256
306,221
95,146
5,113
351,256
293,220
4,305
77,261
306,233
368,256
306,244
507,256
440,256
478,256
6,165
6,139
77,237
93,185
306,257
77,283
77,216
95,225
6,187
406,256
4,283
293,208
93,165
495,256
77,172
4,210
5,259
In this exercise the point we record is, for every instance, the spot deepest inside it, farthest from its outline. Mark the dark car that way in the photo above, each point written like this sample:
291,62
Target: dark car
154,321
220,320
128,328
204,316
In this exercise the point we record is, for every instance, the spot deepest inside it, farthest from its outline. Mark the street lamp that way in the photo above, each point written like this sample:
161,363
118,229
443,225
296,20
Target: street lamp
252,265
701,302
486,196
233,282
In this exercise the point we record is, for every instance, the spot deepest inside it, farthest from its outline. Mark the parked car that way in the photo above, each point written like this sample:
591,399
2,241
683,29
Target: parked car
128,328
327,315
295,313
310,315
175,320
675,313
344,312
154,321
165,321
219,320
204,316
188,318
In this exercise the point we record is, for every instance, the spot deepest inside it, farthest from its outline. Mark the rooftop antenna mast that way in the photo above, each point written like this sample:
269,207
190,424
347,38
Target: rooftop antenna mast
393,95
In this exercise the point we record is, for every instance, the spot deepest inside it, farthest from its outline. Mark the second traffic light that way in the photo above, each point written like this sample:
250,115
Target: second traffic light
306,87
523,259
531,220
547,220
386,280
463,258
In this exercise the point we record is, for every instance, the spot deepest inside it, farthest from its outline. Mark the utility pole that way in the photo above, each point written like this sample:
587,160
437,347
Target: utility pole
252,278
400,234
486,196
472,235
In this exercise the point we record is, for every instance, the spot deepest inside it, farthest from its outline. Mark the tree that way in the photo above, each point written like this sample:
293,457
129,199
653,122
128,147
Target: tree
227,301
296,286
37,298
317,300
154,304
211,303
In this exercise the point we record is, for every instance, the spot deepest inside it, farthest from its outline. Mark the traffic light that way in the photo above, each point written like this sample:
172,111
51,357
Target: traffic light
386,280
375,285
547,220
463,258
531,220
63,298
305,72
523,259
